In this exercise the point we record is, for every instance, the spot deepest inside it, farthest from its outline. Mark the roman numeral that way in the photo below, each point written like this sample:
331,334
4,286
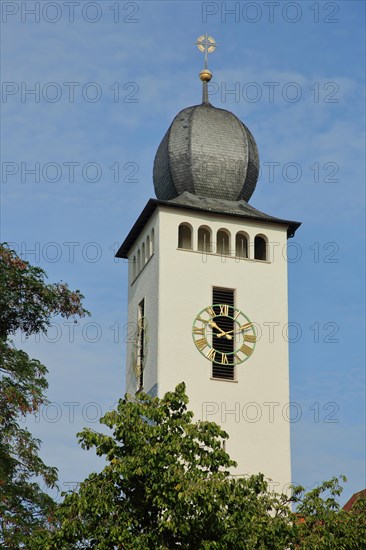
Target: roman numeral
211,354
224,359
198,330
210,311
246,326
224,310
250,338
202,320
201,343
246,349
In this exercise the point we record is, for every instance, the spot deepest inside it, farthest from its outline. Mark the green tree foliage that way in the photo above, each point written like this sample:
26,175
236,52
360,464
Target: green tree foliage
27,304
322,524
167,485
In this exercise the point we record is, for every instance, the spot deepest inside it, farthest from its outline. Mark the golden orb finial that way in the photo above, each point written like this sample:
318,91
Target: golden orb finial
205,75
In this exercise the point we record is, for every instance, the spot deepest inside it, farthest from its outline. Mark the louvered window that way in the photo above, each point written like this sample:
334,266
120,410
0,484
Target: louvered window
141,343
223,366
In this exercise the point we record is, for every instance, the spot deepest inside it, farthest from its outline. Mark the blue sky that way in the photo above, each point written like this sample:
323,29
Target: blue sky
108,80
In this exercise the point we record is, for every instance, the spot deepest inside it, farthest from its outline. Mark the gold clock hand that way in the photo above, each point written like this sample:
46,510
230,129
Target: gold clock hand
227,334
240,329
214,325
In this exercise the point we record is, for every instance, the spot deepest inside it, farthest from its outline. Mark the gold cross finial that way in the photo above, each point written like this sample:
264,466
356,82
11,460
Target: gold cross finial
207,45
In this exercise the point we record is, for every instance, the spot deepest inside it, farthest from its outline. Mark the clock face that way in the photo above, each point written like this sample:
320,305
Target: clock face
139,346
224,334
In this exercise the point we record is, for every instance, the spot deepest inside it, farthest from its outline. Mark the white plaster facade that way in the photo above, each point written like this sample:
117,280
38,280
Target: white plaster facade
176,284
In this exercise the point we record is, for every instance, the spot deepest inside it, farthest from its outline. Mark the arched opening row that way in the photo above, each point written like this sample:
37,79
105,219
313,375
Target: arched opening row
221,242
143,254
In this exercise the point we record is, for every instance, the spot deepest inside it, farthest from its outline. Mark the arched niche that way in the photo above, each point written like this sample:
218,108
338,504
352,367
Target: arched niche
223,242
241,245
260,247
185,236
204,239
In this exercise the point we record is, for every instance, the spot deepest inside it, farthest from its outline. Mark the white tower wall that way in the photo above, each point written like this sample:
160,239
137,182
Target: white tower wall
176,284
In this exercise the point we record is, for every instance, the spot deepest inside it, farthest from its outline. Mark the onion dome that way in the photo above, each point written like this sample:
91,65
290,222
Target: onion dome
208,152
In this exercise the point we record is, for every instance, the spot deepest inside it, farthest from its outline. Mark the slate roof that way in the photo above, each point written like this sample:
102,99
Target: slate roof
209,152
188,201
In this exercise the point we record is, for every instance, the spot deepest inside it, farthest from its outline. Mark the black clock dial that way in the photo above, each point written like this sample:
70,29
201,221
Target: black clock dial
224,334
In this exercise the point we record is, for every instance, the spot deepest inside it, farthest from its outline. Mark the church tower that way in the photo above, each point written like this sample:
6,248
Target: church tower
207,287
